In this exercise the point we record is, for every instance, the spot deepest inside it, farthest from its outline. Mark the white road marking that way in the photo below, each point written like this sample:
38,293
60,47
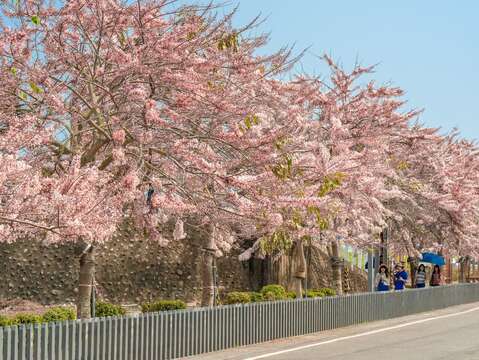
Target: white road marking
372,332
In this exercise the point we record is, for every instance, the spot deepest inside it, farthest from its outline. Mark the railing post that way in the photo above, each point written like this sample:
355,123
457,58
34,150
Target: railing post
192,332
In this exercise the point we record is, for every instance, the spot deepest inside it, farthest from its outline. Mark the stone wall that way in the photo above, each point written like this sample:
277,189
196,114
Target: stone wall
132,270
128,270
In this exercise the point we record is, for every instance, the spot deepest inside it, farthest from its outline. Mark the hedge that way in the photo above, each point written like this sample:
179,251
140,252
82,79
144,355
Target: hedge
290,295
7,321
274,292
23,319
59,313
256,296
105,309
238,297
163,305
320,292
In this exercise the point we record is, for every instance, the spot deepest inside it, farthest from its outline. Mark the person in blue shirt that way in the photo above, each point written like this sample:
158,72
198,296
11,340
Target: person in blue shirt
400,277
382,278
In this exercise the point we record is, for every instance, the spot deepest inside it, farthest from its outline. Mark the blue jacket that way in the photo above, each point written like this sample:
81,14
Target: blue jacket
400,280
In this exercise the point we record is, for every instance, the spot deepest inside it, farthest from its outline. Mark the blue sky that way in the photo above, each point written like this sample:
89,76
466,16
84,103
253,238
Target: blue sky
429,48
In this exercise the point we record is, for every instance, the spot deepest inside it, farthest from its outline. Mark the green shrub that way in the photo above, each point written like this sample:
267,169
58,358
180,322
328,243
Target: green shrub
163,305
104,309
314,293
328,292
290,295
27,319
269,296
59,313
321,292
238,297
4,321
53,314
256,296
7,321
273,292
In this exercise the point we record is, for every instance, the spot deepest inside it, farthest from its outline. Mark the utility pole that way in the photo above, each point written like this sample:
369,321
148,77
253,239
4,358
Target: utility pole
371,272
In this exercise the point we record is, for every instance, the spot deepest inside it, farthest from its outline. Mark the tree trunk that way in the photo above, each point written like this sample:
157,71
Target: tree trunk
468,269
87,273
346,281
298,268
281,270
384,253
463,269
208,292
413,269
256,273
337,266
448,278
307,281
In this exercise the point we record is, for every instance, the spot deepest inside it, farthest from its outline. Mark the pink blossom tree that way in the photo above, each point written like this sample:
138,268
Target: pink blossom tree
333,171
438,202
357,164
144,99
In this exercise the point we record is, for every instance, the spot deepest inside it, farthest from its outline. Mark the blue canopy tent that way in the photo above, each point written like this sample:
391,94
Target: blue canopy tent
433,259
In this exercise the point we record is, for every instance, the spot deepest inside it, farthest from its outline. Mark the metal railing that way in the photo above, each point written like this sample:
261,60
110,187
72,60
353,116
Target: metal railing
176,334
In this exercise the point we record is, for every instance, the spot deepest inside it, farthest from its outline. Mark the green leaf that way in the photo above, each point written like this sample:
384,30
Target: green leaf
284,169
289,162
14,71
279,143
122,38
36,19
35,88
229,42
330,183
323,224
221,45
278,241
247,122
297,220
22,95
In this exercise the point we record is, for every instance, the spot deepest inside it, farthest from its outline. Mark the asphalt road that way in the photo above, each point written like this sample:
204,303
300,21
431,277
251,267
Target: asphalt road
451,333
